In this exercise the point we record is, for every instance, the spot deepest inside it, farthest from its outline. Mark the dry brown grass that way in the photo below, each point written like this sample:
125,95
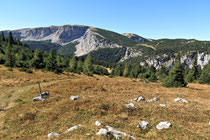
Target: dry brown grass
102,99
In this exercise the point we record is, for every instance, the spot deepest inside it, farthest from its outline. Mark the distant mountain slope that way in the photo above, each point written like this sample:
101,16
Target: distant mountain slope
136,37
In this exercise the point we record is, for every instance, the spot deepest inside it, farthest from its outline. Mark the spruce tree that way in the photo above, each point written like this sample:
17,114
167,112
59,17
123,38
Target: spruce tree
194,72
9,56
21,59
135,71
38,60
205,75
118,70
79,67
2,38
10,38
51,64
162,73
176,75
88,66
73,64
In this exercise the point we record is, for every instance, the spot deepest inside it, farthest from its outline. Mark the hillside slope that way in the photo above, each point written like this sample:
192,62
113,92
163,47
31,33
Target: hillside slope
102,99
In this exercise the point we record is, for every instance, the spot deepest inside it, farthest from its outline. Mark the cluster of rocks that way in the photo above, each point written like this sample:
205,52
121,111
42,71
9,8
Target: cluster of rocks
142,98
159,126
110,130
41,96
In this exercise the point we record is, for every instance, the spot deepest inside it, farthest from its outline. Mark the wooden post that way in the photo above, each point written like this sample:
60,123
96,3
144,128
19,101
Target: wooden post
40,88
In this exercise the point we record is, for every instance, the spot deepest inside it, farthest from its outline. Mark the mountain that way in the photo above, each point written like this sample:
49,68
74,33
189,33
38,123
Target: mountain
110,46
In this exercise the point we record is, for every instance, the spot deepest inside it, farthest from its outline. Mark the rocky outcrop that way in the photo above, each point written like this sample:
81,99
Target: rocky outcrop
187,60
89,42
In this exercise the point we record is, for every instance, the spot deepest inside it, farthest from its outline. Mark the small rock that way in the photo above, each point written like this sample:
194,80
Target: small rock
163,105
73,128
209,123
140,98
102,131
163,125
180,100
74,97
130,105
38,98
98,123
52,134
143,124
153,100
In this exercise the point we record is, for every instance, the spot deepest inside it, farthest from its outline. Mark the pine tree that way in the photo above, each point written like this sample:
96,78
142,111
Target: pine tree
162,73
176,76
88,66
21,59
205,75
135,71
9,56
10,38
38,60
194,72
73,64
79,67
51,64
2,38
118,70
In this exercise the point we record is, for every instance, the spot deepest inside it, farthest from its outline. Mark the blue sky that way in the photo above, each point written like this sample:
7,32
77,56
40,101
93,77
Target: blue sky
148,18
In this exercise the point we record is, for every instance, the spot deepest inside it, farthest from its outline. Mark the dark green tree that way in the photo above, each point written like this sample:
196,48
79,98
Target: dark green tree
135,71
194,73
162,73
51,64
9,56
88,66
21,59
73,64
38,60
205,75
79,67
118,70
10,38
176,75
100,70
2,37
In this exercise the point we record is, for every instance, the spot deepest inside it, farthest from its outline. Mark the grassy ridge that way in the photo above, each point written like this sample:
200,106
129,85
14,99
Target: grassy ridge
103,99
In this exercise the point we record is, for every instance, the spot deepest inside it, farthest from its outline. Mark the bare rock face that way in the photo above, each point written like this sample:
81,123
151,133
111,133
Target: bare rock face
136,37
89,42
56,34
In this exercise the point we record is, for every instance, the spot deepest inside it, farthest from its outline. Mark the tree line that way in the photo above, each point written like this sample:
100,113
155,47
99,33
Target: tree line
15,54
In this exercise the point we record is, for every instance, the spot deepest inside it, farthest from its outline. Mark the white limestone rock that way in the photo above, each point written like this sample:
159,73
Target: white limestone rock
143,124
102,131
140,98
163,105
73,128
153,100
39,98
130,105
180,100
163,125
74,97
97,123
52,134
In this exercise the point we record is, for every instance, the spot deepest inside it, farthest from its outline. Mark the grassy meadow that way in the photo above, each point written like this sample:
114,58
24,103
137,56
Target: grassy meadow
101,98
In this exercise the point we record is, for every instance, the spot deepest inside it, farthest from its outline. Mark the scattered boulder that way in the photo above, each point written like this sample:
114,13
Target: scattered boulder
180,100
130,105
140,98
74,97
153,100
143,124
103,131
38,98
73,128
116,133
98,123
163,125
163,105
52,134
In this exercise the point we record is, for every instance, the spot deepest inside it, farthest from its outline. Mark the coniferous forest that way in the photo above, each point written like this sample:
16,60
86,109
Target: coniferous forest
14,53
